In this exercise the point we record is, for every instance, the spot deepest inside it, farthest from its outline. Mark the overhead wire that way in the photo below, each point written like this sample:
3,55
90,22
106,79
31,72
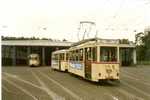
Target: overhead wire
116,15
138,18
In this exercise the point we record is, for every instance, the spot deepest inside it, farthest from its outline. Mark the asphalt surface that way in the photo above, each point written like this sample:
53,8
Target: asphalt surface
42,83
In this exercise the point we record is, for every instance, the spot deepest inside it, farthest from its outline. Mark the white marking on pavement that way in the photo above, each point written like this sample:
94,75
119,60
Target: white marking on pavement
64,88
138,90
139,80
49,92
5,88
113,97
126,93
129,94
22,89
24,81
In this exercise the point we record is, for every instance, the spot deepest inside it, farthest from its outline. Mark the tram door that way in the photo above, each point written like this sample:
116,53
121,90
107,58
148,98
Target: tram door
87,63
59,61
59,64
61,58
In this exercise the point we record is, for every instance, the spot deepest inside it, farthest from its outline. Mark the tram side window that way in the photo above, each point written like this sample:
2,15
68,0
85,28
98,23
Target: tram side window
94,53
56,56
73,55
88,55
70,55
81,55
76,55
108,54
91,53
53,57
67,56
62,56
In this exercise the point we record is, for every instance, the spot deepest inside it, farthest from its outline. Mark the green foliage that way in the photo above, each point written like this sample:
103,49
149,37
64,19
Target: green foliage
25,38
143,62
124,41
143,46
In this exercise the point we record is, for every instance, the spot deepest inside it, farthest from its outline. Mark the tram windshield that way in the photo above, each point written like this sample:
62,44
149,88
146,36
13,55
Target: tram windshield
55,57
61,55
33,57
108,54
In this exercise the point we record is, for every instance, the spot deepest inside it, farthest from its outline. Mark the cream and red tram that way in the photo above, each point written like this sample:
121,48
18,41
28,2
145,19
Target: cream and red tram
34,60
60,60
95,60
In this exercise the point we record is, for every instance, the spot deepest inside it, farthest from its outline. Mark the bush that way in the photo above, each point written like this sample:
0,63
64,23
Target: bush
143,62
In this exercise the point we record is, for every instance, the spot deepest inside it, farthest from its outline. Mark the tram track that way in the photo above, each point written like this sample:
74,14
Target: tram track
110,91
20,88
52,94
34,89
61,86
138,80
70,87
134,76
96,89
138,90
80,86
123,93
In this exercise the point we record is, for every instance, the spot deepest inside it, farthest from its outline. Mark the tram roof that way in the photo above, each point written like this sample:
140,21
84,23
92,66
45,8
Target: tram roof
60,51
104,42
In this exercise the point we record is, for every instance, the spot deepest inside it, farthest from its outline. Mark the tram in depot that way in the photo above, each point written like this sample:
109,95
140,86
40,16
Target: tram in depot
34,60
94,60
60,60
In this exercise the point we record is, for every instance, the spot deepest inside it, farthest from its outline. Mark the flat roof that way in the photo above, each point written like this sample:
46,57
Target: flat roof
34,43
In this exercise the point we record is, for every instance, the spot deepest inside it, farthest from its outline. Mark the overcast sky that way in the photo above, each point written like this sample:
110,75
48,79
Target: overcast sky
59,19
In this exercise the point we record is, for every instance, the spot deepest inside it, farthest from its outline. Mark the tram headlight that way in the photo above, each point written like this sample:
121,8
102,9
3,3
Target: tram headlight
99,74
117,74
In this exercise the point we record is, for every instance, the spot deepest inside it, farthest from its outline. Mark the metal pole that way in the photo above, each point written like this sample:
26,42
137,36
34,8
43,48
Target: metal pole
43,56
14,56
134,56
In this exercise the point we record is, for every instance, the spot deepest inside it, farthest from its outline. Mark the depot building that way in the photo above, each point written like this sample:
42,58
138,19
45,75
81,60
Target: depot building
16,52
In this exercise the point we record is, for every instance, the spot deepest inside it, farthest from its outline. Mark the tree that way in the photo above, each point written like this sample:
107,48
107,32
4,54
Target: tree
143,46
146,44
64,40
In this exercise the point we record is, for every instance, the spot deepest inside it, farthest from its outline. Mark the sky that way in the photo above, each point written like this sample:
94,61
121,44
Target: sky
60,19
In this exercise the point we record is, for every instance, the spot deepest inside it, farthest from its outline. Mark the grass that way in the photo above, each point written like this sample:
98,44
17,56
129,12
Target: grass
143,62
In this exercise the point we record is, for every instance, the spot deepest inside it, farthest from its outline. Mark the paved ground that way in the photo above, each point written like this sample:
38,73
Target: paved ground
42,83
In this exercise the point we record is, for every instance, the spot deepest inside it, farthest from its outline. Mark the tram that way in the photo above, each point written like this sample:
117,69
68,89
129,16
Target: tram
34,60
95,59
60,60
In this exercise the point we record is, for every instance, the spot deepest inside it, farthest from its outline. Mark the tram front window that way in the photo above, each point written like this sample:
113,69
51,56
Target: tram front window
108,54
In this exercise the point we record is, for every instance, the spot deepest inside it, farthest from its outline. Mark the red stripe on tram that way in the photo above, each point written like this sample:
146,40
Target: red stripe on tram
105,62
